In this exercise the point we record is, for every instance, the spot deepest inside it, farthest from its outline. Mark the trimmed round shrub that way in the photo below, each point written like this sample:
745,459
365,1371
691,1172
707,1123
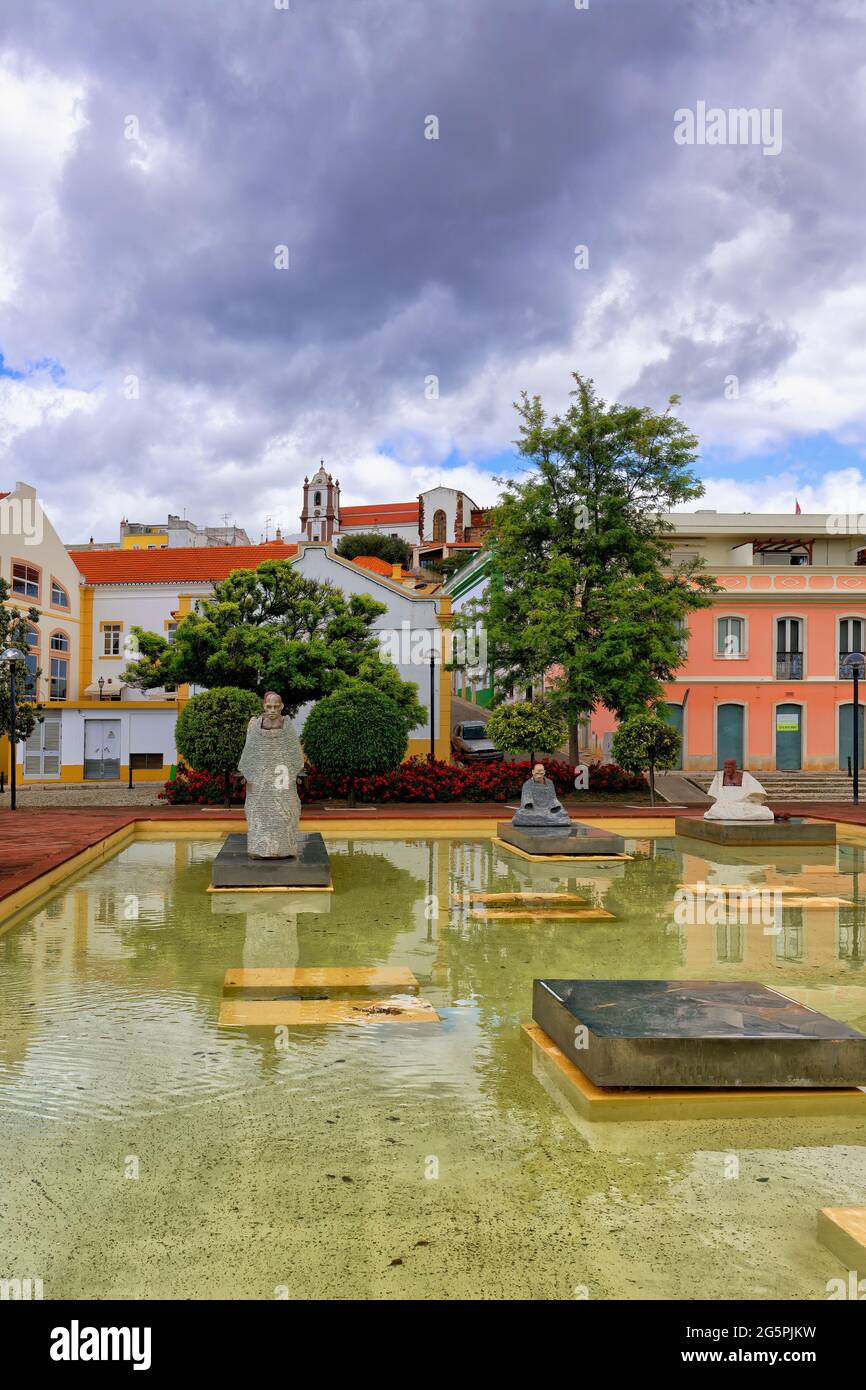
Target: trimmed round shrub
356,732
527,726
211,729
646,743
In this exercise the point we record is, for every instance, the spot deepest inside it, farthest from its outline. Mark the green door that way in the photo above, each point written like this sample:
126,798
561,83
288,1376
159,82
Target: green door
846,735
789,738
729,739
674,717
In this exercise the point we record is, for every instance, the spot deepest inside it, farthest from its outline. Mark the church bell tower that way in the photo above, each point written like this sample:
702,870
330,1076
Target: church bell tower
320,518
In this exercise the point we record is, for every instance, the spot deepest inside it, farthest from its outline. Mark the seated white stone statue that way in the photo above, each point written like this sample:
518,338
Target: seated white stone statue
736,796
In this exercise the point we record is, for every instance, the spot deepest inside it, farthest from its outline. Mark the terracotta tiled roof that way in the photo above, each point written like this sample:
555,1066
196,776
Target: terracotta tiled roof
381,512
194,563
374,563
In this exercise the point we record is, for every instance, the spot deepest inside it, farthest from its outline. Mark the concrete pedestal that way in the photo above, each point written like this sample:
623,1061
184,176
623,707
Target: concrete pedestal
580,840
696,1033
234,868
758,832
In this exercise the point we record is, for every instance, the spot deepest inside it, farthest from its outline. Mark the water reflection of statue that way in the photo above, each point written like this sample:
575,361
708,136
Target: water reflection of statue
539,805
270,763
736,796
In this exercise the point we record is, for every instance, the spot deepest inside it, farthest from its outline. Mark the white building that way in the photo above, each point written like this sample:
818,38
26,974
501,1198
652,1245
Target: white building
95,724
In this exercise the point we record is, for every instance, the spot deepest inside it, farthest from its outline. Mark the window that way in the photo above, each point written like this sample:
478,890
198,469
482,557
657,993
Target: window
789,649
142,761
59,642
439,525
59,596
317,499
850,635
730,634
31,663
170,632
111,639
25,580
850,640
59,666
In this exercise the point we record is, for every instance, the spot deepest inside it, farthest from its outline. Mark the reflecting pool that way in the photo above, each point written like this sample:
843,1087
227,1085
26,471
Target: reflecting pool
146,1152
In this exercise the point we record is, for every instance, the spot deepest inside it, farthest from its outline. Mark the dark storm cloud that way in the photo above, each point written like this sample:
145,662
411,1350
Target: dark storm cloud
408,256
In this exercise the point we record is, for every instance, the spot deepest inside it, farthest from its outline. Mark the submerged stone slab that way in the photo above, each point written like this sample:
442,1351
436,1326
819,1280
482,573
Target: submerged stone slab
696,1033
580,839
271,1013
235,868
843,1231
799,831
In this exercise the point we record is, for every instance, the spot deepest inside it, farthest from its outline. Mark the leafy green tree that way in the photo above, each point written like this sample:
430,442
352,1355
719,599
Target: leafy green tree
389,548
645,743
272,629
13,633
582,578
211,729
356,732
527,726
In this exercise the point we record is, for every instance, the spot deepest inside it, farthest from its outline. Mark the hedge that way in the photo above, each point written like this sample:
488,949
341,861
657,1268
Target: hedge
415,780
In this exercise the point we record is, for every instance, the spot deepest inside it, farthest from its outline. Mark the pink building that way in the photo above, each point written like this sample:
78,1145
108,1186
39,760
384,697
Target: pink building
760,681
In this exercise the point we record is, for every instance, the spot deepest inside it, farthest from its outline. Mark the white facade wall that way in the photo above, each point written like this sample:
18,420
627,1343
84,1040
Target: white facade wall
407,628
407,531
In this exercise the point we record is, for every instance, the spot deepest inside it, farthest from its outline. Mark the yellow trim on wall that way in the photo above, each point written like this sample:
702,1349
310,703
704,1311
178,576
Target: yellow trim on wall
74,773
445,619
85,653
184,606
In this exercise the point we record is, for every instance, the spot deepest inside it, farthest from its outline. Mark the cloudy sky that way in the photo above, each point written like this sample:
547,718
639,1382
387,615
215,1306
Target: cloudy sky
153,157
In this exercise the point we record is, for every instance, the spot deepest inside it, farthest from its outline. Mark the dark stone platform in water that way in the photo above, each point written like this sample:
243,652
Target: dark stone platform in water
235,868
796,831
580,839
696,1033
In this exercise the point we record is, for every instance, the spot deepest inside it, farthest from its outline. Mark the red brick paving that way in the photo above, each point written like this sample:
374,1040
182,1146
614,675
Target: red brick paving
32,842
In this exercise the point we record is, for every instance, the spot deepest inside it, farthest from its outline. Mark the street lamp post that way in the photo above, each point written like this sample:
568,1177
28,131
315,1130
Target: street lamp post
432,707
100,683
855,662
10,655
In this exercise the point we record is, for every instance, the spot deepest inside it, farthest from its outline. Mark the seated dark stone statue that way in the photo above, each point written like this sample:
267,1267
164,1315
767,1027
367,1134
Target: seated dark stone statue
539,807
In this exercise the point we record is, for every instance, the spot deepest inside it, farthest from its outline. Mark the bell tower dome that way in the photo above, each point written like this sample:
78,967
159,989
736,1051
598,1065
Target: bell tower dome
320,517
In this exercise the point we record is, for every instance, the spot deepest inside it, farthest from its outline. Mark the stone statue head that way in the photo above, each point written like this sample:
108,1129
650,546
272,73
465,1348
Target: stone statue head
272,704
539,772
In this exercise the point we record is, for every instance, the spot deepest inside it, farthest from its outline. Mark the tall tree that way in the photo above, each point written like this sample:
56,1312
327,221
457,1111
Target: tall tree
583,588
14,627
273,629
390,548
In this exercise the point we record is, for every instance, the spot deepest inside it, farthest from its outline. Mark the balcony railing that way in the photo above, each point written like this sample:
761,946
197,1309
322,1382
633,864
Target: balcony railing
845,672
789,666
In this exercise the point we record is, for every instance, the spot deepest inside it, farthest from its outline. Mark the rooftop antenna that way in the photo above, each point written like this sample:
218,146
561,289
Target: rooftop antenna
268,520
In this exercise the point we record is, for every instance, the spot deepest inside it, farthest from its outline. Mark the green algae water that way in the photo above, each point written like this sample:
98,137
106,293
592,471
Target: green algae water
146,1152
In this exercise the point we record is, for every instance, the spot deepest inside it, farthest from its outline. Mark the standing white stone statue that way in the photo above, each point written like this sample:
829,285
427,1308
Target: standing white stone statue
736,796
270,764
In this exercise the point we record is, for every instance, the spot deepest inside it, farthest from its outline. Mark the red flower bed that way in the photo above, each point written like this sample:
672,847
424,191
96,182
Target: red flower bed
415,780
203,788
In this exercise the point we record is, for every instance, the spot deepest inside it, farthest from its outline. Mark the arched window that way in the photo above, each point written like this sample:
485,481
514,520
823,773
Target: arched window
58,645
32,662
59,594
317,499
439,524
730,636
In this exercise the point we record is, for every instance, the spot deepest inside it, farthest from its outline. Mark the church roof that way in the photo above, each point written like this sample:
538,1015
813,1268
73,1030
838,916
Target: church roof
379,512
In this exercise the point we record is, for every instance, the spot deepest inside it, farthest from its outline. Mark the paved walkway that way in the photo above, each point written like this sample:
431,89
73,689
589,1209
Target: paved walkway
32,842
